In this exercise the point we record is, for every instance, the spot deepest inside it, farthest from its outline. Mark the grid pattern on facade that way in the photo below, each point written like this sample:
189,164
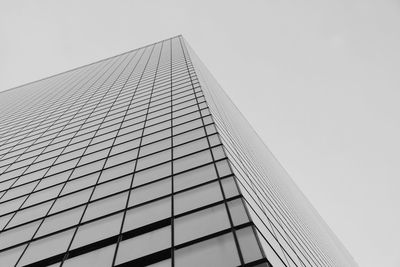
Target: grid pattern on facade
119,163
290,230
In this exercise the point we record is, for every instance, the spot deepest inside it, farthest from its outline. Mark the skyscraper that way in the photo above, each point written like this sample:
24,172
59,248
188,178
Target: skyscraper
142,160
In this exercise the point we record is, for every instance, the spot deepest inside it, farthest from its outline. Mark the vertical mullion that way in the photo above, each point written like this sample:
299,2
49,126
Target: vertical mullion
64,183
172,167
140,143
215,167
97,181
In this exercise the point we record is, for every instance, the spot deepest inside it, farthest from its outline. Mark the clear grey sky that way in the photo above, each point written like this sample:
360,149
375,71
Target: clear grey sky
318,80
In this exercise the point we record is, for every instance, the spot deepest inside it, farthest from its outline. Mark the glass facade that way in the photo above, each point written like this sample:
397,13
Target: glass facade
141,160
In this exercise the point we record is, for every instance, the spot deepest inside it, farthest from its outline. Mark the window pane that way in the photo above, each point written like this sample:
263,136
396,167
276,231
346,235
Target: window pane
30,214
122,157
60,221
154,159
188,136
201,223
197,197
219,251
18,191
10,257
143,245
80,183
194,177
229,187
218,152
190,147
154,147
146,214
47,247
43,195
18,235
223,168
97,230
52,180
11,205
105,206
238,212
100,258
192,161
117,171
164,263
125,146
248,244
111,187
88,168
150,191
152,174
71,200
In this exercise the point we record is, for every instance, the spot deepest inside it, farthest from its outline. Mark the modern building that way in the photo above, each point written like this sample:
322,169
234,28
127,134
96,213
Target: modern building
142,160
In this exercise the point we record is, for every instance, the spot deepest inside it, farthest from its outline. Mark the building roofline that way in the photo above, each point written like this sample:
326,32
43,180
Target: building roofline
97,61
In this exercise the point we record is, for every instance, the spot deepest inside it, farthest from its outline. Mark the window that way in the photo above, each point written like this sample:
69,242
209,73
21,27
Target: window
80,183
43,195
192,161
152,174
154,147
10,257
156,136
18,235
18,191
194,177
94,156
143,245
187,126
105,206
229,187
88,168
223,168
60,221
146,214
191,147
238,212
122,157
125,146
63,166
117,171
248,245
201,223
197,197
71,200
97,230
218,152
54,179
219,251
151,191
26,178
30,214
102,257
111,187
46,247
9,206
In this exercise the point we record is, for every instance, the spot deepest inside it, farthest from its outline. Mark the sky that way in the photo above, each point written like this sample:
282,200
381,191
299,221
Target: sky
318,80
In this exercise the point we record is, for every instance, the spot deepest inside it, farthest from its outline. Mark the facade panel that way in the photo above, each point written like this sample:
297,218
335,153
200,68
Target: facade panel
129,161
